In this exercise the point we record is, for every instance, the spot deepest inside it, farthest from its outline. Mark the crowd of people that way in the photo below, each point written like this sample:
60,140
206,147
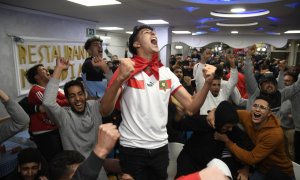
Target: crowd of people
203,117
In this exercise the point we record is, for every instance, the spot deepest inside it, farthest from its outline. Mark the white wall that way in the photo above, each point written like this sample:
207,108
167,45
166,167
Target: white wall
117,43
21,22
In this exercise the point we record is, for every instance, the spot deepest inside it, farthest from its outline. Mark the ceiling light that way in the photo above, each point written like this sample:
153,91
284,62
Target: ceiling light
234,32
199,33
237,10
111,28
95,2
241,15
129,32
292,32
273,33
178,47
181,32
157,21
237,25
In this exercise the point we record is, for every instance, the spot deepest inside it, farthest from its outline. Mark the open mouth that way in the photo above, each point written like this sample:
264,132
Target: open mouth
154,41
256,115
79,105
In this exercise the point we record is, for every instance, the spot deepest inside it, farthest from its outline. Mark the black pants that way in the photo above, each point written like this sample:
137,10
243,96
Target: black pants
297,146
49,143
143,164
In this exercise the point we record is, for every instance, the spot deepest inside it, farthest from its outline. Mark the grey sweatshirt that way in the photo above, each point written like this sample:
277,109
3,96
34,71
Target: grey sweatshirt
19,120
77,131
291,93
89,169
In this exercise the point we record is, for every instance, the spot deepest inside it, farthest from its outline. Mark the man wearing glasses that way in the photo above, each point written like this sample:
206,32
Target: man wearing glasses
268,155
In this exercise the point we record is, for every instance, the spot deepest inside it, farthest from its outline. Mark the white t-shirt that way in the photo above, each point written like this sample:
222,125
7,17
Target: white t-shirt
144,106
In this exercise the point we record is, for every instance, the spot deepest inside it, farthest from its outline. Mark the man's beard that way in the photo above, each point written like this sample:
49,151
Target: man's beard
77,112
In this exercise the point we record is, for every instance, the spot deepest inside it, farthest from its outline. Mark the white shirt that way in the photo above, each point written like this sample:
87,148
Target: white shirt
144,106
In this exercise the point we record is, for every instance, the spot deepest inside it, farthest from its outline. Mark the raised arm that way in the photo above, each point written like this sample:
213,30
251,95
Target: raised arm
113,92
108,135
251,83
53,109
194,103
229,87
198,69
282,67
290,91
19,118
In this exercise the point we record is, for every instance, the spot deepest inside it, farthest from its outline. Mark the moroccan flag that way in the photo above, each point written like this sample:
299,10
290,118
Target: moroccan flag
165,84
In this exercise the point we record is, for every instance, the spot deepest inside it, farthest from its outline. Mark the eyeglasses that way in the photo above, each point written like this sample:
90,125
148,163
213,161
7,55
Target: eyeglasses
262,107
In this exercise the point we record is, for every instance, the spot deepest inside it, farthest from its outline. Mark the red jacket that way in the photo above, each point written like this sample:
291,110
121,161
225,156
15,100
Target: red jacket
40,121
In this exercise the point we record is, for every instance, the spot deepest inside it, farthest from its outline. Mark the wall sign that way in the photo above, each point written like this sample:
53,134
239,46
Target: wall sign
31,51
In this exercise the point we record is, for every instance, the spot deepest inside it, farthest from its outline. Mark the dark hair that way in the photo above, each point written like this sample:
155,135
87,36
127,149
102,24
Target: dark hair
51,71
267,77
265,98
31,72
133,37
88,43
79,79
72,83
292,74
29,155
225,113
59,167
218,72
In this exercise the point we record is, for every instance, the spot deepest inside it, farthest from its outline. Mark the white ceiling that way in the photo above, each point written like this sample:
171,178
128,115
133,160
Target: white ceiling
284,15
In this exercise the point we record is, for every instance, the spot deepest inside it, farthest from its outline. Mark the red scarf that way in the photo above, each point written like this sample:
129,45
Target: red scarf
140,65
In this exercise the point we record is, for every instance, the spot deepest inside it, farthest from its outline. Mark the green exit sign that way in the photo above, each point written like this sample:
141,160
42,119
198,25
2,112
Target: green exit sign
90,32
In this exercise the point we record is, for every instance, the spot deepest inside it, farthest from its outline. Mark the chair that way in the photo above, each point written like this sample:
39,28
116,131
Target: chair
296,168
174,150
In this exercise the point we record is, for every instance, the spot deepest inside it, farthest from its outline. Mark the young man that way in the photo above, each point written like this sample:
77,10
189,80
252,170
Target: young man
268,87
264,130
19,119
78,124
201,147
43,130
93,76
31,166
218,92
144,87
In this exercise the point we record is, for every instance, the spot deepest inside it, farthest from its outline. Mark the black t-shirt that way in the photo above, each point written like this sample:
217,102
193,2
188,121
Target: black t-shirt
92,73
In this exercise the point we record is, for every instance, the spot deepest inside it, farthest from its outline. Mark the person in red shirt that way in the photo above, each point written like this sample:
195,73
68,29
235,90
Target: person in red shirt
43,131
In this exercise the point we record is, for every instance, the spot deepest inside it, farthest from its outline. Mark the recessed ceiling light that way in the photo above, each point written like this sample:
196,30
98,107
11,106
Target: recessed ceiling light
273,33
181,32
111,28
292,32
234,32
157,21
199,33
95,2
237,10
129,32
237,25
241,15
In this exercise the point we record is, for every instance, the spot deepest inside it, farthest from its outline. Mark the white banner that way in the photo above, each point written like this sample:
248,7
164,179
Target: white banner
31,51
